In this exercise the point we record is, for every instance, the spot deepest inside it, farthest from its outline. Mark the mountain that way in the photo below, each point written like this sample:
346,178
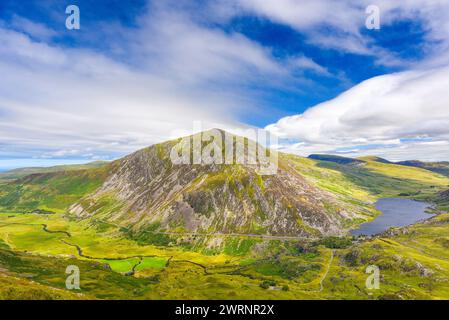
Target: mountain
133,228
441,167
336,159
50,191
146,191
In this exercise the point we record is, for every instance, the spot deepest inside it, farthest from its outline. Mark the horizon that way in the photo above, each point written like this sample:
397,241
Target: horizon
10,165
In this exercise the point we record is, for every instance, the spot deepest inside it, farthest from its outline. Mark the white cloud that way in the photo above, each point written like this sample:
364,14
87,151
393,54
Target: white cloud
36,30
66,99
307,14
305,63
409,106
172,43
171,71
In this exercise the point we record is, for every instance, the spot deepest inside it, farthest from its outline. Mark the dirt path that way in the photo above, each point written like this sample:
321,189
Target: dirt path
327,271
323,278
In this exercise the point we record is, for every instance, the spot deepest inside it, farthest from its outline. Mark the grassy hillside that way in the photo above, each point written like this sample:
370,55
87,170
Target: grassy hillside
23,172
49,191
438,167
413,262
390,180
374,158
27,276
138,190
360,185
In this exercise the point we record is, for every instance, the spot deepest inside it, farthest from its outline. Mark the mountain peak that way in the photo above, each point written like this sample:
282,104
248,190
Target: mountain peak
146,190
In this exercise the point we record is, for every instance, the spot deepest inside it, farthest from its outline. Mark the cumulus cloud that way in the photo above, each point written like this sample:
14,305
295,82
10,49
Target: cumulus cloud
403,114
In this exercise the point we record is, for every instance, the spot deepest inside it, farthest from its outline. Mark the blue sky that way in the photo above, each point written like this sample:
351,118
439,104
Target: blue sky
139,72
344,68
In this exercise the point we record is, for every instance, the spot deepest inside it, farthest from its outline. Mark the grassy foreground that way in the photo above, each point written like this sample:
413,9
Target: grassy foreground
414,264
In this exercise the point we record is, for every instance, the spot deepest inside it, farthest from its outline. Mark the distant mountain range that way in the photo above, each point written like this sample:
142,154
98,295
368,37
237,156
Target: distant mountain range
441,167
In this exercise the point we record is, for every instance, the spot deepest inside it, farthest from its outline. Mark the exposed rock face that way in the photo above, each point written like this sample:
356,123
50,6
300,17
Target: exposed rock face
146,190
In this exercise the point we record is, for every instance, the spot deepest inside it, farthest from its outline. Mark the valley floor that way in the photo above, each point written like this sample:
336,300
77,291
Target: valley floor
35,250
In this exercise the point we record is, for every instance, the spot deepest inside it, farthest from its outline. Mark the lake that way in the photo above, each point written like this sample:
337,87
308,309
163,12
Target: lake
395,213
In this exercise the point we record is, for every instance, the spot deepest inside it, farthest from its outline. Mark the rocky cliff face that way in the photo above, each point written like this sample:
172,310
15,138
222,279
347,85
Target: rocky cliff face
145,190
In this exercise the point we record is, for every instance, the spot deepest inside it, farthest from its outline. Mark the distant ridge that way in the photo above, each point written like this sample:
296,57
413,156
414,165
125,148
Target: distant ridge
376,159
441,167
336,159
23,172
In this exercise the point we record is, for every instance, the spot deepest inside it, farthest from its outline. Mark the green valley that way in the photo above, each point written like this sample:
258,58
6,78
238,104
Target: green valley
143,228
